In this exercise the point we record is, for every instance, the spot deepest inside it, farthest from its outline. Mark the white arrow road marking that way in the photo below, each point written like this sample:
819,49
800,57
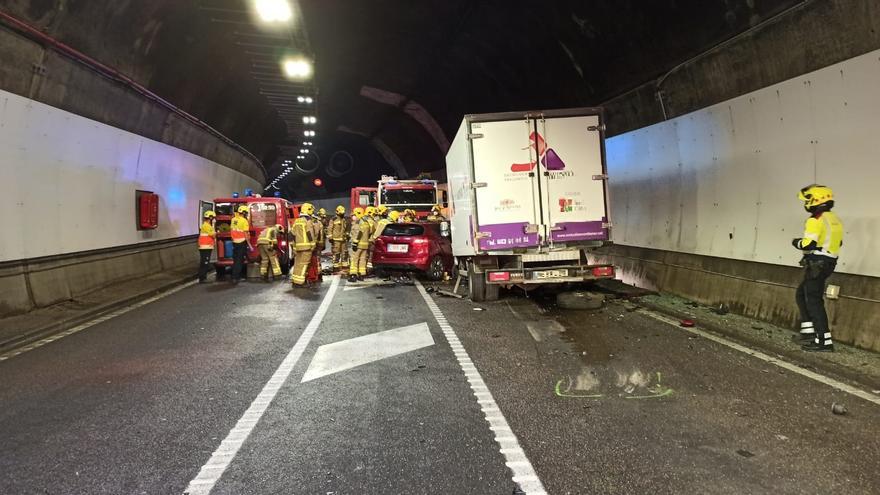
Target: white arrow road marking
351,353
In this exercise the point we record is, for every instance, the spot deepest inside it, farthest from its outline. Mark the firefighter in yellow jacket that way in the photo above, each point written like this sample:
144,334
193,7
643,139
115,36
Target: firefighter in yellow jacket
267,243
380,226
436,214
241,242
303,244
823,237
360,243
207,237
371,215
337,231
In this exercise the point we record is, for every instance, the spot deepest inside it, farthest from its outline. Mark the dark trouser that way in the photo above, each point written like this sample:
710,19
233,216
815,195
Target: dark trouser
239,250
810,293
204,264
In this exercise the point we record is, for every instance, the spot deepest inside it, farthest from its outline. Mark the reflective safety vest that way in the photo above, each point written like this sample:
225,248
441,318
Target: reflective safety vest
365,230
337,229
380,227
317,231
826,231
240,227
302,235
269,235
206,236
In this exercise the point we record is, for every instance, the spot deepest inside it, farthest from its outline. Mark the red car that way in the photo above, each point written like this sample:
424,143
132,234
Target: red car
414,247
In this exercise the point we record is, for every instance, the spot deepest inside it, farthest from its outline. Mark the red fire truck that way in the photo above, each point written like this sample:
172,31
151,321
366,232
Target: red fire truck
264,212
415,194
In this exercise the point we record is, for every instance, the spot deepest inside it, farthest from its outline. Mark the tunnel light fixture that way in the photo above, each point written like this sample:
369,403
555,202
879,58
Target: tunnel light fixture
310,120
308,99
273,11
297,68
308,133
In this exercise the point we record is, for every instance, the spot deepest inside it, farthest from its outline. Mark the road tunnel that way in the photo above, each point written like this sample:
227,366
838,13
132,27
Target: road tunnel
571,268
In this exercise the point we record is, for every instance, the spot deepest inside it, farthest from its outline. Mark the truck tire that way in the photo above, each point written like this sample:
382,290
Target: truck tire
481,291
580,299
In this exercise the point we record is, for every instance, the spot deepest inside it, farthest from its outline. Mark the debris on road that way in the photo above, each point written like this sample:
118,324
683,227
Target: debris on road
475,308
745,453
838,409
687,323
781,438
449,294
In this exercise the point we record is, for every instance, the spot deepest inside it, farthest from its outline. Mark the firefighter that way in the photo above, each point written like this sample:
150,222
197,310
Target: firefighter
207,237
337,229
409,216
354,232
370,216
317,225
303,244
823,237
436,214
394,217
241,243
380,226
360,244
267,243
322,221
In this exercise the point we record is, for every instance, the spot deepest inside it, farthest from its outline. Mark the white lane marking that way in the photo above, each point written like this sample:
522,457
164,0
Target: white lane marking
351,353
843,387
211,472
519,465
93,322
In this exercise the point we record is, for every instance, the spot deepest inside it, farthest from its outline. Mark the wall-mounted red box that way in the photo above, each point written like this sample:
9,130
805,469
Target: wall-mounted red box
147,210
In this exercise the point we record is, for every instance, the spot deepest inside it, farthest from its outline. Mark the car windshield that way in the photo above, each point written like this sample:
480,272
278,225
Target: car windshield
403,229
224,208
408,197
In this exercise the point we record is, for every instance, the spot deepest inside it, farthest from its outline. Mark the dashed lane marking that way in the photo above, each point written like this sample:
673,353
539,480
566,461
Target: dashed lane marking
91,323
843,387
211,472
515,458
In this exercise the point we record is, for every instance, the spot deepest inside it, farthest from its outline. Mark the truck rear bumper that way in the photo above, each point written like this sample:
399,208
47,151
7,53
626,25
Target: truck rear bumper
549,274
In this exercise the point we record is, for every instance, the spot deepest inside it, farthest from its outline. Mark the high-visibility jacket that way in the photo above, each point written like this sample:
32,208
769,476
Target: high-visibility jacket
303,239
240,228
206,236
317,231
435,218
372,222
337,229
269,235
380,226
823,235
365,230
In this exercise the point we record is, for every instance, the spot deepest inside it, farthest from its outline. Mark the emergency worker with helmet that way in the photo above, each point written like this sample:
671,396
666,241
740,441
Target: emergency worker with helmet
371,216
303,244
436,214
241,243
267,243
821,242
337,230
382,215
207,237
360,244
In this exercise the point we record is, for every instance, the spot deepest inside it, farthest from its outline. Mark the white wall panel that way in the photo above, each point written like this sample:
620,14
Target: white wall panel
723,181
68,183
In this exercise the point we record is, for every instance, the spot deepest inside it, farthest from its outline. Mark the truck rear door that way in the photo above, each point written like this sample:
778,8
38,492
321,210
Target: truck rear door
506,181
572,178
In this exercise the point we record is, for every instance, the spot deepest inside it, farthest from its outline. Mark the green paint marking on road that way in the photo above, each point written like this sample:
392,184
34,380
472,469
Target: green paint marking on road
560,393
656,391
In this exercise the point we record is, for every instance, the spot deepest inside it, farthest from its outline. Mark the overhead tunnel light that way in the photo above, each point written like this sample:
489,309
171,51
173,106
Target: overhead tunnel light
310,120
274,11
297,68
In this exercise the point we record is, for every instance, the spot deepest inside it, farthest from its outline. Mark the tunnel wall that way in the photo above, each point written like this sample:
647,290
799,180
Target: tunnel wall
704,205
69,188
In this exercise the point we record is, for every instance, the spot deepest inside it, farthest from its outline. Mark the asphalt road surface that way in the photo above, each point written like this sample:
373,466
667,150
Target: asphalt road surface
366,388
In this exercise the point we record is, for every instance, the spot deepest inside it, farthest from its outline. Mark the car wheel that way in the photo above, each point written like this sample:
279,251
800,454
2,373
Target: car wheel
435,269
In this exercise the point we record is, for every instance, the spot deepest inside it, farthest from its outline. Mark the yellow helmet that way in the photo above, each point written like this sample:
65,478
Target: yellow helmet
358,212
370,211
340,210
322,212
307,209
210,214
394,216
436,208
243,209
815,195
382,210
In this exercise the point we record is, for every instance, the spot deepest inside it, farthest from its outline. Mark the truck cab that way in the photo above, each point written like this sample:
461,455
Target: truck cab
419,195
264,212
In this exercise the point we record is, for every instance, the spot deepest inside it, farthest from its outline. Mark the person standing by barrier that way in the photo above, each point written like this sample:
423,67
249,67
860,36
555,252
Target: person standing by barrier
207,238
337,236
823,237
267,243
241,243
303,245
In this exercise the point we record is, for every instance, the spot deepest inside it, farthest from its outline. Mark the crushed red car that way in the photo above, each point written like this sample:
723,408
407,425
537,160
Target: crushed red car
414,247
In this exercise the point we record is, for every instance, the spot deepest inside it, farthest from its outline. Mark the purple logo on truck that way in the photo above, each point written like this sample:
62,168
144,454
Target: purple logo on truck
549,158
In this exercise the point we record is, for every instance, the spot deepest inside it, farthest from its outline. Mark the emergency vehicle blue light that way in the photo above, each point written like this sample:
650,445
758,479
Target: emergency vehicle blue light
248,192
234,194
277,194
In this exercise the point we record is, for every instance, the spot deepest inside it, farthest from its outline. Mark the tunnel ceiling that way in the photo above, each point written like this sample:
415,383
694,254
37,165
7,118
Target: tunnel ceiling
393,78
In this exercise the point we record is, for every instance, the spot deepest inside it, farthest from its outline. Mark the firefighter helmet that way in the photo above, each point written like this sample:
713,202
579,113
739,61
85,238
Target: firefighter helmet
358,212
370,211
815,195
322,212
243,209
340,210
307,209
382,210
436,209
394,216
209,214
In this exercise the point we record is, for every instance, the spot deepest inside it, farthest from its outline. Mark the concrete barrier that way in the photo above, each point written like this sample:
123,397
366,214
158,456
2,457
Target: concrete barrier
36,283
759,290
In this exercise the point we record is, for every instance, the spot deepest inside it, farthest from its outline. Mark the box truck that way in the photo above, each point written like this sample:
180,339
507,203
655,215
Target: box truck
528,198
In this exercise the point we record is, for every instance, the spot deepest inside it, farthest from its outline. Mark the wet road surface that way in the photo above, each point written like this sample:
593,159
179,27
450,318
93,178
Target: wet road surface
384,397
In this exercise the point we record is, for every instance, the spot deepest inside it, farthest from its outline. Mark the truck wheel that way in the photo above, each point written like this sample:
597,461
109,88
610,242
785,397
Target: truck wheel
580,299
435,269
479,289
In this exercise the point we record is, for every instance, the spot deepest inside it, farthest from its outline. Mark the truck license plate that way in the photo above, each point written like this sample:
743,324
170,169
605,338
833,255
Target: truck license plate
551,274
398,248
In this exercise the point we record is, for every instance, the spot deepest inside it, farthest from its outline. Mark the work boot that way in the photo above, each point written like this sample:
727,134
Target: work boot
352,278
814,346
